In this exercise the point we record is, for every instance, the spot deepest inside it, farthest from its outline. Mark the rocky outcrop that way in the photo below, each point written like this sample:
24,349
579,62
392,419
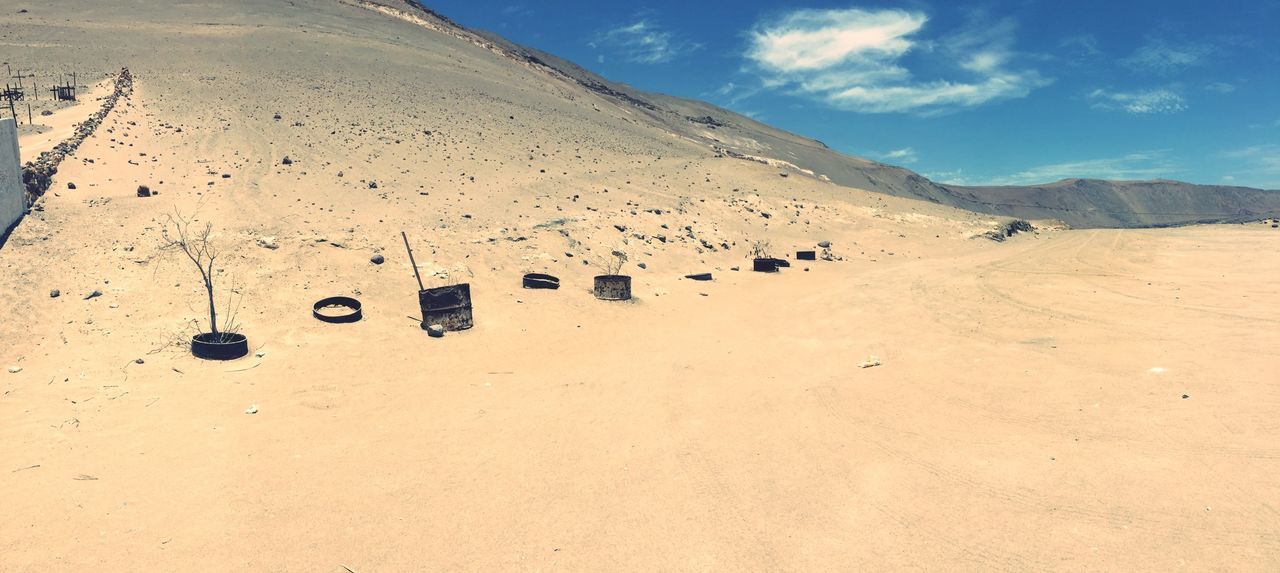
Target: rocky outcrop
1008,229
707,121
37,175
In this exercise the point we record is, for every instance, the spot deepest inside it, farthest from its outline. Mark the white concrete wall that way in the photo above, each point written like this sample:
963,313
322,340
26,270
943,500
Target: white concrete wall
13,199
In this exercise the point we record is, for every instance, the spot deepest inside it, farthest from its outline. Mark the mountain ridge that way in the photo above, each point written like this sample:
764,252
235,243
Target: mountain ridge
1077,202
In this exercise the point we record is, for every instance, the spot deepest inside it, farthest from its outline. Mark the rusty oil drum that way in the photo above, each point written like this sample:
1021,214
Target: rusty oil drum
765,265
448,306
613,287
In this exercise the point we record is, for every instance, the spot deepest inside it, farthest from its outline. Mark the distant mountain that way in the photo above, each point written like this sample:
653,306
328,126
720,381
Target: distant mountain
1101,203
1077,202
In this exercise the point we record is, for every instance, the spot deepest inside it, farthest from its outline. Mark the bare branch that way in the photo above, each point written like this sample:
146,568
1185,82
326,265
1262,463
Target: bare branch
176,235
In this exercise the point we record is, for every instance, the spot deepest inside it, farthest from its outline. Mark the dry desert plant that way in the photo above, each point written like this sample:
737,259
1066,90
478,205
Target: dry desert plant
760,249
177,235
613,265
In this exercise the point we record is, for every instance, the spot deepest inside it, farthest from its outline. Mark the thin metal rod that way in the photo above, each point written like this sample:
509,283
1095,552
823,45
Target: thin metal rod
411,261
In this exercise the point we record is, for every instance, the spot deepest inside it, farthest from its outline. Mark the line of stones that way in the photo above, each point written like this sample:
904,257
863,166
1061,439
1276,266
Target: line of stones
38,175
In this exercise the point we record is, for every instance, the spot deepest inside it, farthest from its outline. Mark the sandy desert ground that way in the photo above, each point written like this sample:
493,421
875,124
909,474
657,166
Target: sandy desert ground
1064,400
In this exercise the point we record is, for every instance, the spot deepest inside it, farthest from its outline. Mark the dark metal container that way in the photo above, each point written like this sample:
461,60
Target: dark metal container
448,306
613,287
765,265
806,255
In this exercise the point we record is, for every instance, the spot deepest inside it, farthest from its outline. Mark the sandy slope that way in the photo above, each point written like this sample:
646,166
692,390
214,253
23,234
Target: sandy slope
1028,415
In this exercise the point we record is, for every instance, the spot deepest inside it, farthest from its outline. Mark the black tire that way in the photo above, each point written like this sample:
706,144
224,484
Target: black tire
541,281
355,315
219,346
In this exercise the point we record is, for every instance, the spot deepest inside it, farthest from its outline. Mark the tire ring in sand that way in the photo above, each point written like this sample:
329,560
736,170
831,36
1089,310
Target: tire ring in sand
354,316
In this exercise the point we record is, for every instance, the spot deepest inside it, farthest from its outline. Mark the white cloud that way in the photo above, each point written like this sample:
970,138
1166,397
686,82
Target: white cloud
1082,46
904,156
1143,165
517,11
1220,87
956,177
1159,101
644,42
1258,164
731,94
852,59
821,39
1161,57
1269,152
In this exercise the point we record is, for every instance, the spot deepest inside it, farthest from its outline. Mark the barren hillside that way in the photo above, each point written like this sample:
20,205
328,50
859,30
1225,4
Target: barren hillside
1081,204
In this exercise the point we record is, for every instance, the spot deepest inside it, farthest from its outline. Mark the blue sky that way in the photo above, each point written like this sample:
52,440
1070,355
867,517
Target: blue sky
997,92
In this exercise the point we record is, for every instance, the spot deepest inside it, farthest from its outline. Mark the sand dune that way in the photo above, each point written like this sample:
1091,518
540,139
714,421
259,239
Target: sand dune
1065,399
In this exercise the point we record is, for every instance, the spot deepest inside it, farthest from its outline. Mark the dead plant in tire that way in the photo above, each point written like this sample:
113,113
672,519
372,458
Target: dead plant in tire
180,234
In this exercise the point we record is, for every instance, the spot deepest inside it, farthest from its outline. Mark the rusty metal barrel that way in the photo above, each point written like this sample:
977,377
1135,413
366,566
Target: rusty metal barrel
613,287
448,306
765,265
